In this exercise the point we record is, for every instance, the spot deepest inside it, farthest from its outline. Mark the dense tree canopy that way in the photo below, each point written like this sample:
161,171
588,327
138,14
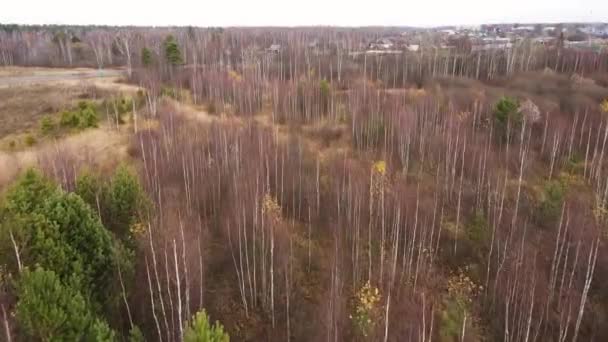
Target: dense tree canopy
74,257
49,310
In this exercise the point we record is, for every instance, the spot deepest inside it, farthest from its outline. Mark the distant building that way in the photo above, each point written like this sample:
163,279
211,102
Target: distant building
381,44
314,44
274,48
544,40
492,43
413,47
596,30
386,43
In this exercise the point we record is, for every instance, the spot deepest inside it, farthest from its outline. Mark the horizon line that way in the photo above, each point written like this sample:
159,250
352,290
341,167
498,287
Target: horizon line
308,25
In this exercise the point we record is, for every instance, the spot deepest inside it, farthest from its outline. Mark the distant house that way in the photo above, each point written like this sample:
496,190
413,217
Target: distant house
274,48
596,30
386,43
381,44
413,47
544,40
492,43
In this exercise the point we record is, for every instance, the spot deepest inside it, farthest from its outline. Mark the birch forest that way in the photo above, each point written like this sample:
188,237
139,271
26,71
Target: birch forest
301,184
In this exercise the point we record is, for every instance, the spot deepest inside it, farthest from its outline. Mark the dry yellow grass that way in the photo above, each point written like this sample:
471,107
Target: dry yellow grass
23,106
100,148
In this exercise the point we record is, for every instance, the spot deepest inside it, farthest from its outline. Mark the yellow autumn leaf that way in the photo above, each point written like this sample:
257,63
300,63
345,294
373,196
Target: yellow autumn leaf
380,167
604,106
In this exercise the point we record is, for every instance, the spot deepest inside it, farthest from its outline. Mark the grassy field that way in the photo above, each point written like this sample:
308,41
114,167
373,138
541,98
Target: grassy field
23,144
23,107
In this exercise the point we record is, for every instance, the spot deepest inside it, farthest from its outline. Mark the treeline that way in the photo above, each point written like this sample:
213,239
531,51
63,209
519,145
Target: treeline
333,53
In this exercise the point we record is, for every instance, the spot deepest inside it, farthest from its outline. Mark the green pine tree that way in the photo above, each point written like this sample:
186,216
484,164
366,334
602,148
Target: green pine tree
507,118
126,203
200,330
173,52
60,232
47,310
146,57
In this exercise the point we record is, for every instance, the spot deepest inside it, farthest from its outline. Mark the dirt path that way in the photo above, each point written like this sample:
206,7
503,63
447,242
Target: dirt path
22,76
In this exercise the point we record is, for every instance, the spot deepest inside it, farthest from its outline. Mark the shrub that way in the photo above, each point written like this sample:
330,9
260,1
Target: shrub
135,335
82,105
324,86
551,201
88,118
200,330
69,119
575,164
47,125
30,140
84,116
600,213
477,228
461,291
452,317
169,92
366,309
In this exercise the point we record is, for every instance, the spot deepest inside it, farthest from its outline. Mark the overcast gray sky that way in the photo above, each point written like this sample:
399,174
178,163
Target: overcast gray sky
301,12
